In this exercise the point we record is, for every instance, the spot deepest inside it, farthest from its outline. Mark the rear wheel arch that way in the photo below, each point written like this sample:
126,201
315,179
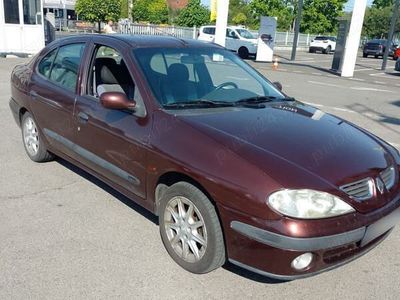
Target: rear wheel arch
21,113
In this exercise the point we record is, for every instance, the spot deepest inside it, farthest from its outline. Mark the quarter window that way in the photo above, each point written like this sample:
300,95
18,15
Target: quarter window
66,66
11,11
45,64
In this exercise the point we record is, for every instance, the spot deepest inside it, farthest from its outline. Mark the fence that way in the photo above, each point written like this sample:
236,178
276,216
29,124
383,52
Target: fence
281,38
180,32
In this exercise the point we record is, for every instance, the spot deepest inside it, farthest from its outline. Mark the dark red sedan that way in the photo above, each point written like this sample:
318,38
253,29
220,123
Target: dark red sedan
235,169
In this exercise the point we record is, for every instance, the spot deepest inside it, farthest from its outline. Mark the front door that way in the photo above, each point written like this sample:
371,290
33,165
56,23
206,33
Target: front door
112,143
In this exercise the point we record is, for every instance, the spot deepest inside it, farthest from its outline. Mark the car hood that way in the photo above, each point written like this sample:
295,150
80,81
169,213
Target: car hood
290,138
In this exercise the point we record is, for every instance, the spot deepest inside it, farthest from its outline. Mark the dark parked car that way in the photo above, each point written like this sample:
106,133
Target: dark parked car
234,169
377,48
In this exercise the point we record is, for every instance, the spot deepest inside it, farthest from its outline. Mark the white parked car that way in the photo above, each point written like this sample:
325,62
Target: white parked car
238,39
325,44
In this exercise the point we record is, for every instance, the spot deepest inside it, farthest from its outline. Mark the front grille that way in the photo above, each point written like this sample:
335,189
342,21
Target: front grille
359,190
388,177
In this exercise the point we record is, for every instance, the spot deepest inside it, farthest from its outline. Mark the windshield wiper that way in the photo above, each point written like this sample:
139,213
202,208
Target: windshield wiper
256,100
199,102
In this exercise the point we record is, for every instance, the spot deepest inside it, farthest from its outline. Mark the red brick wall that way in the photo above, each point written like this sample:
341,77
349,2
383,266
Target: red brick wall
177,4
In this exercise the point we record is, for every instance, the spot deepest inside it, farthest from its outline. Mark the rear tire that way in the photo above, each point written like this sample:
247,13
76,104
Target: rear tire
33,141
243,52
376,56
328,50
190,229
365,55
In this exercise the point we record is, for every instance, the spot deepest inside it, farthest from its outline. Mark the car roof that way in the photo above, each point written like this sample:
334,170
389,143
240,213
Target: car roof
145,41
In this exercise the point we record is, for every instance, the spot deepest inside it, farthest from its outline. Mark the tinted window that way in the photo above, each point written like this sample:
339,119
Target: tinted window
32,13
66,65
321,38
209,30
45,64
11,11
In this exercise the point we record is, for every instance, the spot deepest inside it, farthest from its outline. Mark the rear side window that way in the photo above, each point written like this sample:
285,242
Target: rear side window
209,30
66,65
45,64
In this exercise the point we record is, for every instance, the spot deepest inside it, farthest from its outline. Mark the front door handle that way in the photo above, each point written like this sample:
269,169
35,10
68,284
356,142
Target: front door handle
83,118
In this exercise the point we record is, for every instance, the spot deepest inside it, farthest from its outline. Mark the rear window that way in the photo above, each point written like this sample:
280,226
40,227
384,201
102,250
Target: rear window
209,30
321,38
377,42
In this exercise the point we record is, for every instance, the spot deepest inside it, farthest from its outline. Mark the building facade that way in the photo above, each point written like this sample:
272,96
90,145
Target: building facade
21,26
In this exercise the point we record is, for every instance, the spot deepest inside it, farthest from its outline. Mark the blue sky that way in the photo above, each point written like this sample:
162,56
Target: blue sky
348,7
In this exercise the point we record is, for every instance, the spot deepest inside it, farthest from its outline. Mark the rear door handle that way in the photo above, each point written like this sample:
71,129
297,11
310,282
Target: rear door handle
33,94
83,118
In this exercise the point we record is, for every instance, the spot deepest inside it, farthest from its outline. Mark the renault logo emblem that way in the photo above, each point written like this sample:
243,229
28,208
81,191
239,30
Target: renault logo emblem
380,185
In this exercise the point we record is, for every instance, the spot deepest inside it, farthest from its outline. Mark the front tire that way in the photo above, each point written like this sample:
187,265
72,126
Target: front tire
33,141
243,52
328,50
190,229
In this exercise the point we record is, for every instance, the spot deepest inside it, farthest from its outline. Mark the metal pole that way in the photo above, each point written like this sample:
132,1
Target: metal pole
297,29
222,21
390,35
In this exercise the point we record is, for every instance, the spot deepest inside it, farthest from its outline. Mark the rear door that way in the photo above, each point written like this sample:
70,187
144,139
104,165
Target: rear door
53,93
112,143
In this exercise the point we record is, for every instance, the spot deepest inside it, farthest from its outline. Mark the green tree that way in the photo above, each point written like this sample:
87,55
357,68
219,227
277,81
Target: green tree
274,8
124,9
240,13
382,3
239,19
152,11
321,16
377,22
194,14
98,10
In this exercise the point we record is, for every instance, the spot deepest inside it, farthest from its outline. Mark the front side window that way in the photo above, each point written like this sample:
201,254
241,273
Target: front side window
66,66
32,14
193,74
11,11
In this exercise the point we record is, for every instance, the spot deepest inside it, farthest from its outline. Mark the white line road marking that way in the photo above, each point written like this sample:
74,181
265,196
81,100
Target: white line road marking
344,109
324,83
319,74
299,72
313,104
360,70
380,82
357,79
370,89
377,74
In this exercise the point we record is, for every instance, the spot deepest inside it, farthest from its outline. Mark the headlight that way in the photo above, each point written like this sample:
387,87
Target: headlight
308,204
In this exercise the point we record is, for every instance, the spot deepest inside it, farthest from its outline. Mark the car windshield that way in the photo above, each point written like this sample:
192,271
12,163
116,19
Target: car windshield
205,76
245,34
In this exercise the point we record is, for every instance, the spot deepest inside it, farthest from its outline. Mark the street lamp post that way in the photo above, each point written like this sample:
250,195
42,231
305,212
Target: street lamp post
297,30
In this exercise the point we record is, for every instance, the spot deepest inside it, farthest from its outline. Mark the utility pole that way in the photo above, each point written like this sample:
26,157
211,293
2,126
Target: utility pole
390,35
353,39
297,29
222,22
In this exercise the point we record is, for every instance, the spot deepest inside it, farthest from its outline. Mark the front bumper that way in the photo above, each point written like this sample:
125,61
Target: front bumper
270,254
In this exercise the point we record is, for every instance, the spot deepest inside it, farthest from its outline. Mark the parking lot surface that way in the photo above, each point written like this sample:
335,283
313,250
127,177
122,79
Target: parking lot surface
64,234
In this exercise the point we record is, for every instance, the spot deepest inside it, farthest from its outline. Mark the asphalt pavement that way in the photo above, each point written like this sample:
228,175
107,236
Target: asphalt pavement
64,234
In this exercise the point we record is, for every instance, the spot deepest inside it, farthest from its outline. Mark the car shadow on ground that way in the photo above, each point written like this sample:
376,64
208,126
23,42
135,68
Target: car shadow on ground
151,217
128,202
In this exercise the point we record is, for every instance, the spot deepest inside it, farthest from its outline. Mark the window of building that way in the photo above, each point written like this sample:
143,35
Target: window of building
32,14
11,11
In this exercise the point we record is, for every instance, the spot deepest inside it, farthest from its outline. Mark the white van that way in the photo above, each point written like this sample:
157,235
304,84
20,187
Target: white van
238,39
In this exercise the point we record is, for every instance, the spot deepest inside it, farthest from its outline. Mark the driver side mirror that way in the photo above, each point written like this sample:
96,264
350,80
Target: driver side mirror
278,85
116,100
